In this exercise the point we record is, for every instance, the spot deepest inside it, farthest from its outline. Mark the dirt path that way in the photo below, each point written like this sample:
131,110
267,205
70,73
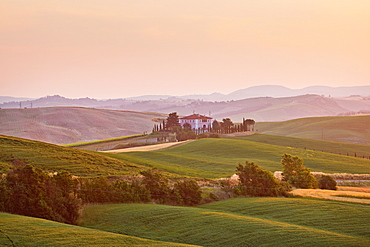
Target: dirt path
148,148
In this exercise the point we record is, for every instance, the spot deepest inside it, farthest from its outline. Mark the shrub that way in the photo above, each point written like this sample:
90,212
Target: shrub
327,183
189,192
255,181
296,174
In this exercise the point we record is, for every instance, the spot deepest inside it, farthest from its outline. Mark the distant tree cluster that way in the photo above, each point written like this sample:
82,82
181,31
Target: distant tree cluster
185,132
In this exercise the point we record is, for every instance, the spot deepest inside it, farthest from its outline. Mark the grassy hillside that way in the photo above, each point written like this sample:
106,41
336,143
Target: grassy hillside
216,158
323,146
352,129
18,230
239,222
204,158
63,125
53,158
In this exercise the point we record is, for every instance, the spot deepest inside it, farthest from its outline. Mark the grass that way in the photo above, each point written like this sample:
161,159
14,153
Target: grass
204,158
303,143
239,222
102,141
349,129
216,158
18,230
53,158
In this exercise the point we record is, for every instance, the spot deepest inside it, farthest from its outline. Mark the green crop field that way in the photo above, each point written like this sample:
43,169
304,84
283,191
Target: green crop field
361,151
53,158
239,222
216,158
351,129
18,230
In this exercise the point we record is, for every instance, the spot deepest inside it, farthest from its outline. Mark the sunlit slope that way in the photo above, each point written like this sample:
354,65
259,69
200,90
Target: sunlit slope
216,158
18,230
352,129
53,158
239,222
357,150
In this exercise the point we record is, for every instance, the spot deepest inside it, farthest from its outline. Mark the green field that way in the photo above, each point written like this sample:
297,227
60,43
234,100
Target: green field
239,222
361,151
351,129
216,158
53,158
18,230
102,141
204,158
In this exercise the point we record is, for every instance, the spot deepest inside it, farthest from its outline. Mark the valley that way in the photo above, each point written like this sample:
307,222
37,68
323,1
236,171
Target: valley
218,219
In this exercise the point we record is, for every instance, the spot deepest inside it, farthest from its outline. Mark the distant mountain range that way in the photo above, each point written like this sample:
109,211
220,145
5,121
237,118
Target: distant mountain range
60,120
251,92
268,91
263,103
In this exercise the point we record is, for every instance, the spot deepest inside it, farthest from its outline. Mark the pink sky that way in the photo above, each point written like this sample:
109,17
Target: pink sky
123,48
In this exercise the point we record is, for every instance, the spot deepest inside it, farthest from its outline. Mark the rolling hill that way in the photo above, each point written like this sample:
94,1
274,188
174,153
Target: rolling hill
347,129
204,158
218,158
63,125
261,108
239,222
54,158
16,230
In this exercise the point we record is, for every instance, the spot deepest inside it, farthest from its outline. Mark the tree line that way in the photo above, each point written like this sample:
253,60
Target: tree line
29,191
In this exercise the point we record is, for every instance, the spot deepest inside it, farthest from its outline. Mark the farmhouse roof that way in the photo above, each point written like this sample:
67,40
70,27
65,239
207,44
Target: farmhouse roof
196,116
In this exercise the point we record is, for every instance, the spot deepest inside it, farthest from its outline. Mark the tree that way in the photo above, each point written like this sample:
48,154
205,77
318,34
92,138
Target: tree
248,124
226,125
157,184
296,174
327,183
255,181
215,126
172,120
189,192
187,127
32,192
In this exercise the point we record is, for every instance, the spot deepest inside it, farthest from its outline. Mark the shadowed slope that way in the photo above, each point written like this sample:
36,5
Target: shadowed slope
63,125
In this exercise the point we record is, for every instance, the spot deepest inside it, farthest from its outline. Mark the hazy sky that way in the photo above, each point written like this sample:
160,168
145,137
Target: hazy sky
122,48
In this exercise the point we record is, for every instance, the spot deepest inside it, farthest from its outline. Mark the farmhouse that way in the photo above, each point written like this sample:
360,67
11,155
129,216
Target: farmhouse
197,122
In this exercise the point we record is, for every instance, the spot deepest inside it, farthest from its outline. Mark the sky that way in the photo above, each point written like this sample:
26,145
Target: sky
124,48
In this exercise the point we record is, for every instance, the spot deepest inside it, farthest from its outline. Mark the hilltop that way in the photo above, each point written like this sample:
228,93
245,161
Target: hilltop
54,158
347,129
64,125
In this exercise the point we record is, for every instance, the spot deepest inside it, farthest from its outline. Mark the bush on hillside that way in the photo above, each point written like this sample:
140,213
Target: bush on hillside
255,181
327,183
189,193
296,174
